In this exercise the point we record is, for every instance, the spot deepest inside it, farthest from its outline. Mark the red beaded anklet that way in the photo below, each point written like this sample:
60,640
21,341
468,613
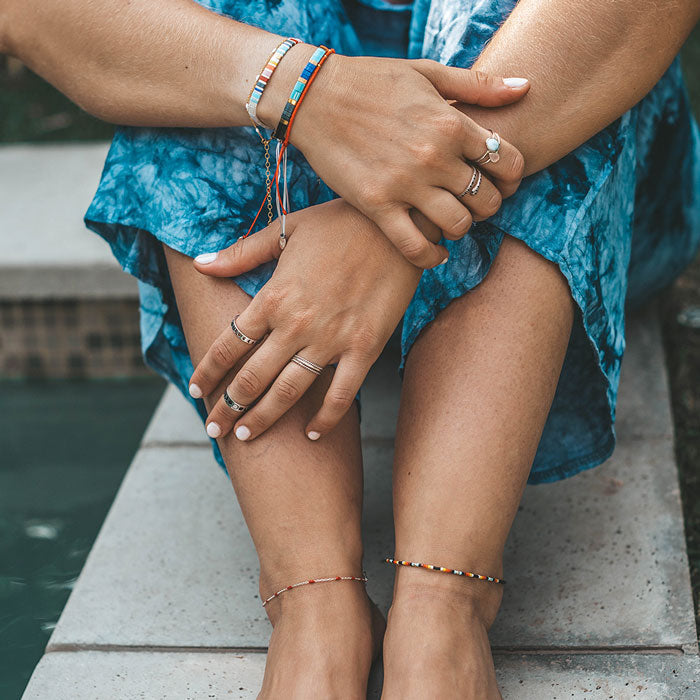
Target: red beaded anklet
362,579
432,567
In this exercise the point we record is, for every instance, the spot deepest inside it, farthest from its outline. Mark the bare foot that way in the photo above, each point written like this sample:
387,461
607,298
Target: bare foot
436,643
324,640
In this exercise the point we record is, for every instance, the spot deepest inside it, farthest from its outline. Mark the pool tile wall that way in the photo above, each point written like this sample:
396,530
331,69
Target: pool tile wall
70,339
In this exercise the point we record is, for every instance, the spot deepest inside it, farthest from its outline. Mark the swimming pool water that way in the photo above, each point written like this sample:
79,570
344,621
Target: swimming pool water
64,448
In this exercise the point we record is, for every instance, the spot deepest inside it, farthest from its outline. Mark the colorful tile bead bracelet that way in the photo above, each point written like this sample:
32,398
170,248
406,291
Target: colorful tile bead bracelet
281,134
432,567
264,77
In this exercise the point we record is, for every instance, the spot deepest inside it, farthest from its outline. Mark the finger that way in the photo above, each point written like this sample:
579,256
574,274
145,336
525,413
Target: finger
227,350
472,86
510,165
249,383
244,255
347,380
483,199
445,210
399,228
291,384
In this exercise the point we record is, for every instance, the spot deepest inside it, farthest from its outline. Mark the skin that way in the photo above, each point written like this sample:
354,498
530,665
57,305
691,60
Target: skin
493,356
174,63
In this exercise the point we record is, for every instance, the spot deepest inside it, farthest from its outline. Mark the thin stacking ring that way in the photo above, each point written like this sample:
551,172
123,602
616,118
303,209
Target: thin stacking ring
362,579
307,364
467,189
240,335
473,187
444,570
493,143
234,405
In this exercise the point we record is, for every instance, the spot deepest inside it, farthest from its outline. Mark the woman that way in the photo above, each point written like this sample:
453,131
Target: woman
515,342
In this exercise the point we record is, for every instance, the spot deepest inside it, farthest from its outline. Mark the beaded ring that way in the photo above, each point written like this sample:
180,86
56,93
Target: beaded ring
361,579
432,567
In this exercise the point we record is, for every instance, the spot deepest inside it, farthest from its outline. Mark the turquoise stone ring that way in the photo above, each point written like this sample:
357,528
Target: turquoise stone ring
493,143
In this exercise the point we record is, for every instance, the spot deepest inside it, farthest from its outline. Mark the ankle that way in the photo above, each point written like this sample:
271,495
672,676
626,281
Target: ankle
468,599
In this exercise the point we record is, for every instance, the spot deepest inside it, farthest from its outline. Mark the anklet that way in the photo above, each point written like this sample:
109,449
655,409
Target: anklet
362,579
432,567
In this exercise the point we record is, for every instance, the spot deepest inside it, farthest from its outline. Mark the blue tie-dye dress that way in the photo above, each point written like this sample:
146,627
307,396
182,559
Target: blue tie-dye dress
620,215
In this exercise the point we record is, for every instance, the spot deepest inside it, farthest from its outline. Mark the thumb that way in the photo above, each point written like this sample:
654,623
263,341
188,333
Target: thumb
244,255
472,86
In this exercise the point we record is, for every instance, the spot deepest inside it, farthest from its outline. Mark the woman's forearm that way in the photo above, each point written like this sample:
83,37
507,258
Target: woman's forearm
588,62
166,63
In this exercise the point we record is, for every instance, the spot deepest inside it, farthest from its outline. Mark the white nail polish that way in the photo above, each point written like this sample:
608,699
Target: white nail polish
313,435
444,261
206,258
242,433
515,82
195,391
213,430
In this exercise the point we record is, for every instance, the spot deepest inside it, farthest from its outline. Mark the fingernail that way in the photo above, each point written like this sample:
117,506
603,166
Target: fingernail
242,433
313,435
444,261
206,258
213,430
195,391
513,83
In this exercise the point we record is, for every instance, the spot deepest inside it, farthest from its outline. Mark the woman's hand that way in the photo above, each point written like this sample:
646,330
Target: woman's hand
336,296
381,133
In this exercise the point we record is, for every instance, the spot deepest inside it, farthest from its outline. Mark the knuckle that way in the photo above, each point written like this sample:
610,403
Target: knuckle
452,125
300,320
493,203
461,226
481,79
286,390
272,299
428,153
222,355
516,166
248,381
374,195
340,398
413,248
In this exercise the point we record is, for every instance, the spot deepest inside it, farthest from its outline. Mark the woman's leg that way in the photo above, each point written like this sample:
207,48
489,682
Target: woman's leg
478,387
302,502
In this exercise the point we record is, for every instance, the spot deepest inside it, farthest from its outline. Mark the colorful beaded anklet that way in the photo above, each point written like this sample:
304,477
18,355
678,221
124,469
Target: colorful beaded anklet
432,567
362,579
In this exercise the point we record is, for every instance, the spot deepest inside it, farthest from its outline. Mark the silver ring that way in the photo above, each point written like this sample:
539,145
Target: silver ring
240,335
467,189
234,405
493,143
307,364
473,187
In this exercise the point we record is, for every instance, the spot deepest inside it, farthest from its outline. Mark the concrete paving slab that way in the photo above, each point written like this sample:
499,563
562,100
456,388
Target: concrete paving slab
122,675
594,562
44,192
174,422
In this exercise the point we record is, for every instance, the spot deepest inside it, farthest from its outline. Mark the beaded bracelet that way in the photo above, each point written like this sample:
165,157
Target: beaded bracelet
263,78
304,80
362,579
432,567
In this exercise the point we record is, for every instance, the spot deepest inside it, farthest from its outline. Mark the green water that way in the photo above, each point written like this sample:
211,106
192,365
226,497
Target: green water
64,448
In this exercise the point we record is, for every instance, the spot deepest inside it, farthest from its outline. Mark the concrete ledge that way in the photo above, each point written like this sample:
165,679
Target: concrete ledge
86,675
45,249
174,570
